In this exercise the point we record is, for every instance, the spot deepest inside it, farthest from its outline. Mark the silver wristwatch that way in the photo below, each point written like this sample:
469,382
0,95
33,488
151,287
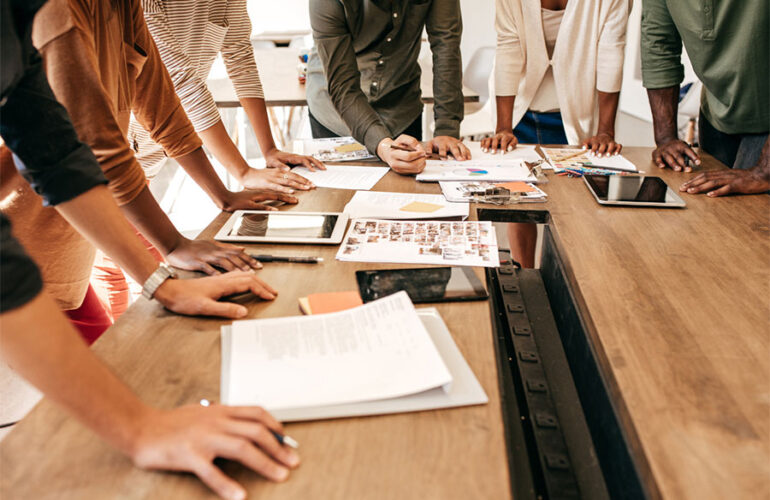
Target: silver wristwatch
156,279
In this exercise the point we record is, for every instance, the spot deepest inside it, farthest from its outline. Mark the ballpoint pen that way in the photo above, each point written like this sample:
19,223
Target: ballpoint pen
295,260
281,438
430,156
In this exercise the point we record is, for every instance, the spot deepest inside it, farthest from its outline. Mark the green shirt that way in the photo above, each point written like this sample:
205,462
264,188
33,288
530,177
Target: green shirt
728,45
368,49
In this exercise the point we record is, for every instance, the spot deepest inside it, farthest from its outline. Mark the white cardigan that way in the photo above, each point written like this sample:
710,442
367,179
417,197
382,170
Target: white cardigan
588,57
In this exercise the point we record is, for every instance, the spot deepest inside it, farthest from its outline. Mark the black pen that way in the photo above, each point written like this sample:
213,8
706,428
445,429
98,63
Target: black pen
295,260
281,438
613,169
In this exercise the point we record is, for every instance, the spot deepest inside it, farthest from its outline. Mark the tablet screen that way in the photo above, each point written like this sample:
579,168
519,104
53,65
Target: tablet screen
630,188
435,284
284,225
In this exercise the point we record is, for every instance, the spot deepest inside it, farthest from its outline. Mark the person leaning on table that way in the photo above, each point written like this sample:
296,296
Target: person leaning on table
558,72
189,34
36,338
364,79
728,43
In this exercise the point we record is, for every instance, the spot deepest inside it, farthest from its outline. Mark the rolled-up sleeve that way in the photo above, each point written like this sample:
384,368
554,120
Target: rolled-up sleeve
661,47
444,27
72,68
509,59
38,130
612,47
238,53
335,48
20,279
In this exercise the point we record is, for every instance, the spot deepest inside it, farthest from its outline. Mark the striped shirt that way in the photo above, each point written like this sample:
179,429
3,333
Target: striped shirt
189,34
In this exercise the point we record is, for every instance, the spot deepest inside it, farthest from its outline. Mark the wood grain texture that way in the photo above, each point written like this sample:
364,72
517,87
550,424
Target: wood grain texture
678,307
677,303
171,360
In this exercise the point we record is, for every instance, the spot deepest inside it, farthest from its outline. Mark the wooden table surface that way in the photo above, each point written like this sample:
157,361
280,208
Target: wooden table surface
278,73
678,312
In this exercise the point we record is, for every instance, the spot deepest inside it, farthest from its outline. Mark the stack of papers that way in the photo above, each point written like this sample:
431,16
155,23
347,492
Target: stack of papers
566,158
483,166
468,191
333,149
421,242
403,206
381,357
344,177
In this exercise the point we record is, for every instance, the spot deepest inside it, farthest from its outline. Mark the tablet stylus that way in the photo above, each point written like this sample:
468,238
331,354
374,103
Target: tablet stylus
295,260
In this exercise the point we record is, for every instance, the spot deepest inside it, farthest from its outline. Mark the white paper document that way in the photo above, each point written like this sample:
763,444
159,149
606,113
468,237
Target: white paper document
421,242
562,158
377,205
344,176
376,351
522,152
333,149
464,192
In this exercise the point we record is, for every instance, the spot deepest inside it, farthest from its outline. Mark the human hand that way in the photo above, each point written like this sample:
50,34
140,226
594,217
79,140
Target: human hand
722,182
200,255
403,162
444,143
251,200
189,438
601,144
675,154
276,180
503,141
281,160
199,297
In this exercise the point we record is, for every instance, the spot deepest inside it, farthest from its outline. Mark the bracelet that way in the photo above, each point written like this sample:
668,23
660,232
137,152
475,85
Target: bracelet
156,279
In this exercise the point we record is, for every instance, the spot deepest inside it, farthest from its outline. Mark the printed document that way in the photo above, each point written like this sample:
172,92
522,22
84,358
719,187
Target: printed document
376,351
344,176
333,149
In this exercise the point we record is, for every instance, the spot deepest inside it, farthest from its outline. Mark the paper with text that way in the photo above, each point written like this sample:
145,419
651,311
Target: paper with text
376,351
344,176
562,158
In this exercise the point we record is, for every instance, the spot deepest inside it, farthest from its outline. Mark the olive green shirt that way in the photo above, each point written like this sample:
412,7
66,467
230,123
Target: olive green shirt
363,75
728,45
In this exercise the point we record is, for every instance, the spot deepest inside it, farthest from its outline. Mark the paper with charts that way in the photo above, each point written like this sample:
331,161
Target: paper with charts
464,192
421,242
333,149
376,351
483,166
343,176
376,205
562,158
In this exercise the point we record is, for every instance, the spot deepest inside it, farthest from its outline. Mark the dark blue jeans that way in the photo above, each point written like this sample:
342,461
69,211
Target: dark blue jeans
541,128
734,150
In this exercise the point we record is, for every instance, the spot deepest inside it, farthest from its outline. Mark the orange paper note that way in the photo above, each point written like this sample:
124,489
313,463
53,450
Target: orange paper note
517,187
321,303
421,207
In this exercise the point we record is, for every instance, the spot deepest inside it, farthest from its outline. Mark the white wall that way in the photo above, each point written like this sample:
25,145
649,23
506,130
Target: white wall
478,26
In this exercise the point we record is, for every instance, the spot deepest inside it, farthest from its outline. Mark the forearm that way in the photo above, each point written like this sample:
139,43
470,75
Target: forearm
763,167
38,342
257,113
218,141
505,113
198,166
608,109
147,216
664,104
97,217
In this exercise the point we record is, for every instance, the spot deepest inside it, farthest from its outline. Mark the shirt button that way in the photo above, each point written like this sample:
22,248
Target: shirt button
374,84
388,39
380,62
395,14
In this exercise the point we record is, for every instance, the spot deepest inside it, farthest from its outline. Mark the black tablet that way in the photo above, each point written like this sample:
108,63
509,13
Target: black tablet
638,190
430,284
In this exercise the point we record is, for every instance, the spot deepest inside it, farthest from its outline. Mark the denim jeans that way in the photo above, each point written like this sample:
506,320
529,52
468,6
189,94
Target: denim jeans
734,150
541,128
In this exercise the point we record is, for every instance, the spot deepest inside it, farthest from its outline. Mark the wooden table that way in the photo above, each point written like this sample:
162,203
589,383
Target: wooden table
278,73
676,304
